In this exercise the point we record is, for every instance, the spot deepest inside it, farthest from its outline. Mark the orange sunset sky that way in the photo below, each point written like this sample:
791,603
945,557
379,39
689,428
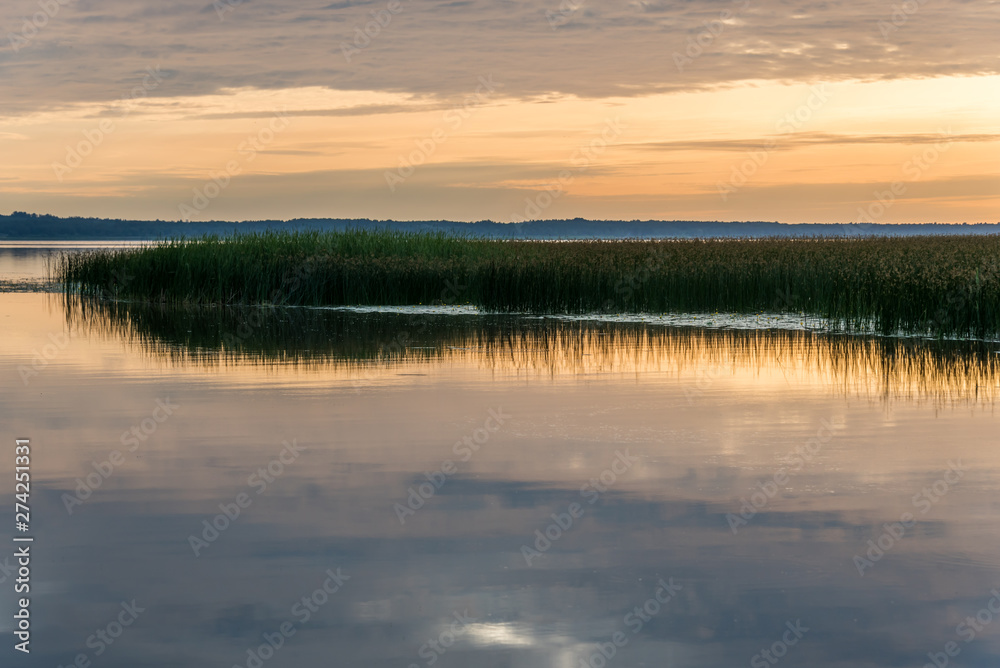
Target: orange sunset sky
502,110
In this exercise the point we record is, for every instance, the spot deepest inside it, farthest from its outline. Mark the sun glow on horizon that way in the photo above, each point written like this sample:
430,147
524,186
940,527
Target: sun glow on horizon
794,152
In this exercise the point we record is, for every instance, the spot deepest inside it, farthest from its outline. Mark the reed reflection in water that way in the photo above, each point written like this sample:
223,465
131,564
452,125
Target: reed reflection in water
358,343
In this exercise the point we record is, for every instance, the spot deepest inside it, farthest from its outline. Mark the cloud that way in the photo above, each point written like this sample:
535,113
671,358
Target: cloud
365,110
96,51
810,139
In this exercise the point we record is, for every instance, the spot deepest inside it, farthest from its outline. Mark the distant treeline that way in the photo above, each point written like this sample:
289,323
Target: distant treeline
29,226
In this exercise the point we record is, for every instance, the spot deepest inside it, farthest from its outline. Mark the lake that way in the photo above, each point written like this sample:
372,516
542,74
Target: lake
407,487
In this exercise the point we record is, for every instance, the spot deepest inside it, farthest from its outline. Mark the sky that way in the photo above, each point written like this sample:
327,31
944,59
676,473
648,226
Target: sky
506,110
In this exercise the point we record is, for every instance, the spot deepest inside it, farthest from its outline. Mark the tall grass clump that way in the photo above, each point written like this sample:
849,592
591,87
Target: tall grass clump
940,285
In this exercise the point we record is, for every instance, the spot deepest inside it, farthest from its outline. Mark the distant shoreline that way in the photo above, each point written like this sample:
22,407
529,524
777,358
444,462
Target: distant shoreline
32,227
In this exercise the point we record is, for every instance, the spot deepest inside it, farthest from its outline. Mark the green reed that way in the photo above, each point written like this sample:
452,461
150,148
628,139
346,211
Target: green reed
940,285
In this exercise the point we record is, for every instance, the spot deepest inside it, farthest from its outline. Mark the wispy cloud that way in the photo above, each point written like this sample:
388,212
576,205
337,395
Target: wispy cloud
89,51
809,139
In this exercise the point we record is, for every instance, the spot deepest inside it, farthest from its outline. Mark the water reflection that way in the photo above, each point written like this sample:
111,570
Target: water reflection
354,343
706,422
25,265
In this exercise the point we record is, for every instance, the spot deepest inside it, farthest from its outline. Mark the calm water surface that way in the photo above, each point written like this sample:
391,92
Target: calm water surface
494,491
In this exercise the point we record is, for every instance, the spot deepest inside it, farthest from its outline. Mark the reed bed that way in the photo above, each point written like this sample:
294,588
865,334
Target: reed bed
945,286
